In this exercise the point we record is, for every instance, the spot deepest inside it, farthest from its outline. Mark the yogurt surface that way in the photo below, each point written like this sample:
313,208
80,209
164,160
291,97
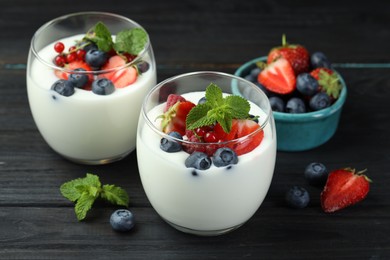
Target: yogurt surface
86,126
205,200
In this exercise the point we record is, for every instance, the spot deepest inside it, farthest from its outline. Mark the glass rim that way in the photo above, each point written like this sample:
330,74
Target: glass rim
189,74
66,16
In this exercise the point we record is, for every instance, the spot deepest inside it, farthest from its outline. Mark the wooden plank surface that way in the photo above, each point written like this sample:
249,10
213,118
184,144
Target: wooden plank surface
36,222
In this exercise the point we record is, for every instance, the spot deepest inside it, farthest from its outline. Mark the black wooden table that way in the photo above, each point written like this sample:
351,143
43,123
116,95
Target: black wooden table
36,222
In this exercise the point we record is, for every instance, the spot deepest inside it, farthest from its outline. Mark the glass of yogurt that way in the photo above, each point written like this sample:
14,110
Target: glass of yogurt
182,173
87,75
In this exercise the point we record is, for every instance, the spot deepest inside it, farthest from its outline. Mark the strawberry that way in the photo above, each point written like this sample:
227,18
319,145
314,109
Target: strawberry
77,64
175,118
120,78
246,127
296,55
278,77
328,80
173,99
344,187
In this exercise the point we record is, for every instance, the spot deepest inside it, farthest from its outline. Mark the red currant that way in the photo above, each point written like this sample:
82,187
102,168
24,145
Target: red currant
70,57
200,131
59,60
72,49
59,47
80,54
210,137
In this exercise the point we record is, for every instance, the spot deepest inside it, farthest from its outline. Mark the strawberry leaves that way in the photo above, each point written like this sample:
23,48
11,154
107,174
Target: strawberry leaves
217,109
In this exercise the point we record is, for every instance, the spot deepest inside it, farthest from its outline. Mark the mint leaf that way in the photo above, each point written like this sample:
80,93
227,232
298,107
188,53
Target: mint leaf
83,205
101,36
131,41
115,195
218,109
84,191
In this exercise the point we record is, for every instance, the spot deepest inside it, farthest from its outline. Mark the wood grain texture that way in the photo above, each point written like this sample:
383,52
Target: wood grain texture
36,222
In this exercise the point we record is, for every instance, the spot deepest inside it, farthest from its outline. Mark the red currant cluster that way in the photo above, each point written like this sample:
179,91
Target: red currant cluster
74,53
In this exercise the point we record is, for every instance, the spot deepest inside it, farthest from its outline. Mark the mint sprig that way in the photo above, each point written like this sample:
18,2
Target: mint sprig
130,41
84,192
218,109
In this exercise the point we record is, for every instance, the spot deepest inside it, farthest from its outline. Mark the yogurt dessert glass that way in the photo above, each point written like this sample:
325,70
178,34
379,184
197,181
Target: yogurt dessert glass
206,180
87,75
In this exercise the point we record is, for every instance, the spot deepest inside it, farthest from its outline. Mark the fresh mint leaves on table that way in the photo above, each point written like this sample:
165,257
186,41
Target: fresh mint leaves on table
130,41
84,192
218,109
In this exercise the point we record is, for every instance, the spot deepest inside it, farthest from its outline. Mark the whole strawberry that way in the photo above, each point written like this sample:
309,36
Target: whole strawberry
343,188
297,55
328,81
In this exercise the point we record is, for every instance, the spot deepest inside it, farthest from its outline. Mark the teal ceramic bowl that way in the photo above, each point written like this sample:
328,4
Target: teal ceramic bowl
300,132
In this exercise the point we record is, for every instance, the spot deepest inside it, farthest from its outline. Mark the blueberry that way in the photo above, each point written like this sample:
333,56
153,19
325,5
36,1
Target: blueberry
122,220
320,101
297,197
254,118
264,89
295,105
202,100
198,160
318,59
63,87
79,80
277,104
169,145
316,174
250,78
87,45
224,156
307,84
103,86
255,72
143,66
96,58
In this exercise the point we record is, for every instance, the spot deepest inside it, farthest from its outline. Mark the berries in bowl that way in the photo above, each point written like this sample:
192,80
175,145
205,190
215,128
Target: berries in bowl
305,92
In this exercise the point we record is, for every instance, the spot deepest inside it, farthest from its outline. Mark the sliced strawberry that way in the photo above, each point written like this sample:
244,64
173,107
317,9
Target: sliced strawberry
120,78
175,118
344,187
77,64
173,99
278,77
222,135
246,127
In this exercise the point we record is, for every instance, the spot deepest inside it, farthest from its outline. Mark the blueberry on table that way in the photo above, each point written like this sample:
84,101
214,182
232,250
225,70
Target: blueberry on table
319,60
103,86
169,145
224,156
79,80
295,105
198,160
63,87
297,197
96,58
316,174
122,220
307,84
277,104
320,101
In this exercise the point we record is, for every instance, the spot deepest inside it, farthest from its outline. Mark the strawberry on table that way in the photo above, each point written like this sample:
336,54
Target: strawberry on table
297,55
344,187
278,77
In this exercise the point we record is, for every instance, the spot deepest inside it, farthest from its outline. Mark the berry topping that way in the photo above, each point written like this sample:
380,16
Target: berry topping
295,105
96,58
343,188
316,174
278,77
63,87
224,156
198,160
174,120
296,55
170,145
297,197
102,86
122,220
143,66
172,100
79,80
59,47
123,77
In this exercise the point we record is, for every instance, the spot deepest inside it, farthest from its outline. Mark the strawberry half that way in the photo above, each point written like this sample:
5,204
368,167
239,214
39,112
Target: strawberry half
344,187
77,64
175,118
120,78
278,77
244,128
328,80
297,55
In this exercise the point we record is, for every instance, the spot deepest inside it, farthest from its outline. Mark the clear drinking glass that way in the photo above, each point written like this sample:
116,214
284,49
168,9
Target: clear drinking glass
85,127
213,201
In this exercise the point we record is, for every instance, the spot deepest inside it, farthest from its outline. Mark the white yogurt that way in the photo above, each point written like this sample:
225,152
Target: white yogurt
213,199
86,126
